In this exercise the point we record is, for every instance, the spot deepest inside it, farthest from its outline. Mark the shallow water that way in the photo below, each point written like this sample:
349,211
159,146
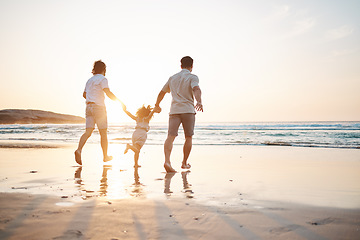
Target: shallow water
295,134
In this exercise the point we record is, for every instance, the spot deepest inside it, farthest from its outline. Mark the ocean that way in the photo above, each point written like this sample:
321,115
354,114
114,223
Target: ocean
292,134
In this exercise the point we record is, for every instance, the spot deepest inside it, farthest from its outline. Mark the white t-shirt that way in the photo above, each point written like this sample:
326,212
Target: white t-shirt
94,89
181,87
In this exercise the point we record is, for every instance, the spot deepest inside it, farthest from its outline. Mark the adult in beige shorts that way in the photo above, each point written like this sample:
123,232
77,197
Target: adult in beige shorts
183,86
94,91
96,114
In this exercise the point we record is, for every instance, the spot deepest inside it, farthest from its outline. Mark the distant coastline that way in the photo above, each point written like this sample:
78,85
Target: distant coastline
30,116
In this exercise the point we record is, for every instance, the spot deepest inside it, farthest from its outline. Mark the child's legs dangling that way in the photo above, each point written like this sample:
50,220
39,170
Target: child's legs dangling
136,149
136,155
138,140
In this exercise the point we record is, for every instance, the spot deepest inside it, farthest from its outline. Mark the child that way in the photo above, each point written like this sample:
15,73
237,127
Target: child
142,118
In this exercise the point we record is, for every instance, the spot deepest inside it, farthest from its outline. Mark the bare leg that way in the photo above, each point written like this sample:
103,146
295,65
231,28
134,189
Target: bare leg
167,151
136,159
127,148
82,142
136,148
104,144
186,151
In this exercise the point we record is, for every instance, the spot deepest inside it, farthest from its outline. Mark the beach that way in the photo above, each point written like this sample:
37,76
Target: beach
262,93
231,192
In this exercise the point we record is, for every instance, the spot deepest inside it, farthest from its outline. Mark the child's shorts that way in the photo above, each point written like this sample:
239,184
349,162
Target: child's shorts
139,137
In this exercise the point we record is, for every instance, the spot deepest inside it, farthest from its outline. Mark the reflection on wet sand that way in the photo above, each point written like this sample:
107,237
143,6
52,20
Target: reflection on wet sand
104,180
116,189
114,184
79,183
186,186
167,182
137,189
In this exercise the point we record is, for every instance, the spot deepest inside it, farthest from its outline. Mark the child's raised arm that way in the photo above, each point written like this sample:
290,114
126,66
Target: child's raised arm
148,118
127,112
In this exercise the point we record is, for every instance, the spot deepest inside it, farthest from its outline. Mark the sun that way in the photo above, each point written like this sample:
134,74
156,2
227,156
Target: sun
115,113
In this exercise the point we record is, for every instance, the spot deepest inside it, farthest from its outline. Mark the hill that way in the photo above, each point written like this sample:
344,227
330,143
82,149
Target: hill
29,116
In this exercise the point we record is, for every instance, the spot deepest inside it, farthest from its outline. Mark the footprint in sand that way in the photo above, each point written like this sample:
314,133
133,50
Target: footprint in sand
70,234
285,229
322,221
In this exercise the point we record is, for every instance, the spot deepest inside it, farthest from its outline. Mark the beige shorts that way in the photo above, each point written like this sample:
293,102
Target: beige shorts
186,119
96,114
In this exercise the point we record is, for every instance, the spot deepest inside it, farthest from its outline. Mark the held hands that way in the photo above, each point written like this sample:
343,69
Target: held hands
122,104
123,107
199,107
157,109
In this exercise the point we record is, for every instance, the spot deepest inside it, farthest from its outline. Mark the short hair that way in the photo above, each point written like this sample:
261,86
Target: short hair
99,67
186,62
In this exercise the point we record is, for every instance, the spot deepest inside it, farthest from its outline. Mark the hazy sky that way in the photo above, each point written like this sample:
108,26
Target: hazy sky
256,60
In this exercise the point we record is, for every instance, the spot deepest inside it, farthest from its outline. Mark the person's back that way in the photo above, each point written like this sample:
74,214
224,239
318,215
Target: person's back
94,89
181,87
94,93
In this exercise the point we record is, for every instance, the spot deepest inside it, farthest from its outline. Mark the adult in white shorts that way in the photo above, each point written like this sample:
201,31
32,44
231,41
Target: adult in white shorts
183,87
94,91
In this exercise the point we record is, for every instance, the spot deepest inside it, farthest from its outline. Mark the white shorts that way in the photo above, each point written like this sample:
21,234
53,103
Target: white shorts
96,114
139,137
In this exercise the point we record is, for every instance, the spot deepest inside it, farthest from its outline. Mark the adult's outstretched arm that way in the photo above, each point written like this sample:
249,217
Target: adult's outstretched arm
197,94
158,101
110,94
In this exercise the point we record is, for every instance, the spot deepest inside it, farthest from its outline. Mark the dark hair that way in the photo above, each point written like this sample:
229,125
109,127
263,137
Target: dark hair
99,67
143,111
186,62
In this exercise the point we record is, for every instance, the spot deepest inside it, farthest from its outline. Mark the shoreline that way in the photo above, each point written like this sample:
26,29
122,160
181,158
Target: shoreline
30,143
306,134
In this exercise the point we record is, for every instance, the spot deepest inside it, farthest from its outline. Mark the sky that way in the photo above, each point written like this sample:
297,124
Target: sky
258,60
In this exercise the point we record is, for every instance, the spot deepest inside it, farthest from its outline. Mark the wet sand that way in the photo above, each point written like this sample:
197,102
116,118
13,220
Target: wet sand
231,192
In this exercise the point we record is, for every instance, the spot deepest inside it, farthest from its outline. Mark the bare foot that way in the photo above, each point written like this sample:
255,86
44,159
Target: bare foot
107,158
168,168
127,148
78,157
186,166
